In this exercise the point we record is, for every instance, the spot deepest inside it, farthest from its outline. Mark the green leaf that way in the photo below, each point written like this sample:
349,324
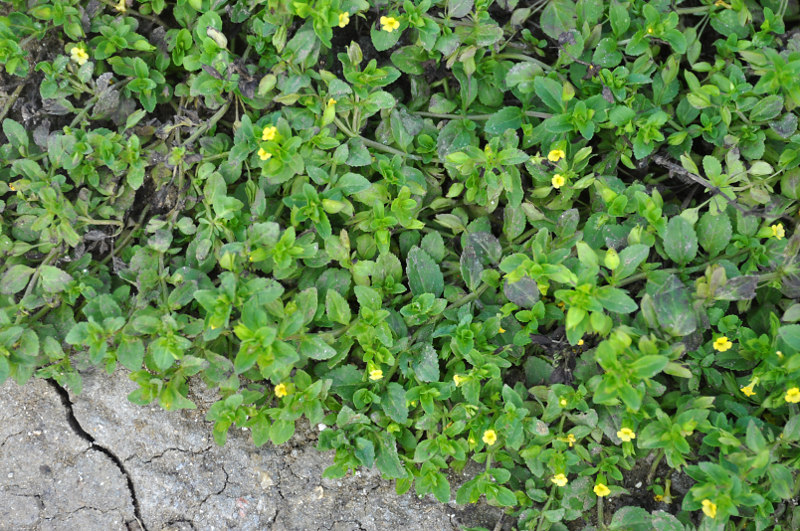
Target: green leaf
433,244
393,402
15,279
619,17
549,91
648,366
337,308
558,17
680,240
459,8
281,431
615,300
714,232
383,40
315,348
630,258
424,275
505,118
766,108
130,352
387,459
673,308
524,293
15,133
54,280
790,335
426,364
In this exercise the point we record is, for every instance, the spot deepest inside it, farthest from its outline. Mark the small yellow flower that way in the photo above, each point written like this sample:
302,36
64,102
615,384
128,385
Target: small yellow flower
557,181
269,133
580,342
722,344
571,439
458,379
389,24
280,390
78,55
626,434
375,374
331,102
709,508
777,231
793,395
748,390
559,479
650,30
779,354
562,402
658,497
121,7
501,330
344,19
263,154
601,490
555,155
490,437
11,187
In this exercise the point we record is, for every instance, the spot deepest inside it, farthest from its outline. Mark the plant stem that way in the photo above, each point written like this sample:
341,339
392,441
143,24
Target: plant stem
693,10
600,519
10,101
523,57
206,126
448,116
654,466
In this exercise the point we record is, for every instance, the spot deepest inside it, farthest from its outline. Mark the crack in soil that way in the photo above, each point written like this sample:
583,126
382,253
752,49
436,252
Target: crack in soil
73,422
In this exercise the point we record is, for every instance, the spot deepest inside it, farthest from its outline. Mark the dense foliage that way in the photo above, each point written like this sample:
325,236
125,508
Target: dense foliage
556,238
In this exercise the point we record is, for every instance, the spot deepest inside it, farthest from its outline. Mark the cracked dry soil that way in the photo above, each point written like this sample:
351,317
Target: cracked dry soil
97,462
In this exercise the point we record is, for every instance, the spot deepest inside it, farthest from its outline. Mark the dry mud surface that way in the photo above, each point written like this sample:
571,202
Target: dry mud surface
97,462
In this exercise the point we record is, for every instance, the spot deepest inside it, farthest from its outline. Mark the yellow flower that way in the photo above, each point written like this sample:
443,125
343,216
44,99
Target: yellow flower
748,390
458,379
11,187
777,231
331,102
375,374
722,344
658,497
779,354
344,19
263,154
389,24
559,479
570,439
557,181
501,330
580,342
650,30
793,395
562,402
490,437
709,508
280,390
121,7
601,490
626,434
269,133
555,155
78,55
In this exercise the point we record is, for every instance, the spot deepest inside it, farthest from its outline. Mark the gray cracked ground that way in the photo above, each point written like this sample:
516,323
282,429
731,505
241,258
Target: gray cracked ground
96,461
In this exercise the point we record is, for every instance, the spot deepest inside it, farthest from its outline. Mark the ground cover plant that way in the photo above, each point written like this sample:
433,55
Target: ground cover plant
554,238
